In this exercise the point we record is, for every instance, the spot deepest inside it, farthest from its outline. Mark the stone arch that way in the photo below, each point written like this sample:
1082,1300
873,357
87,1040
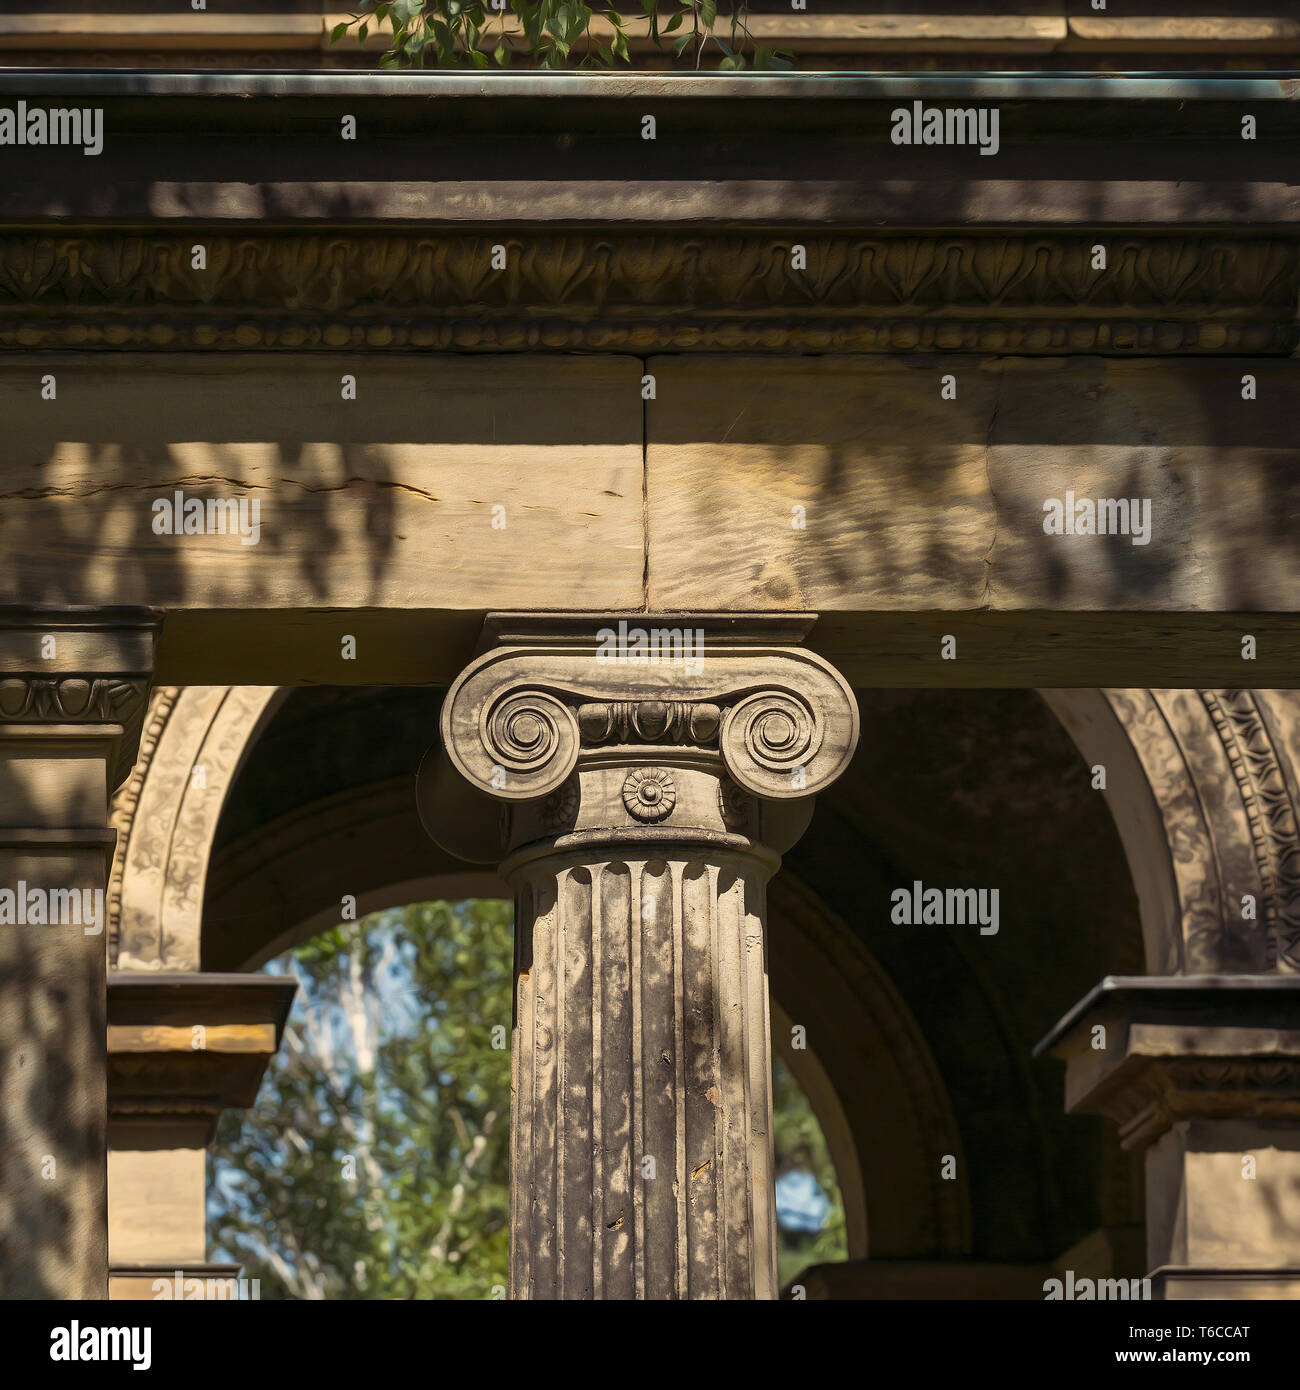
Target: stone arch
369,838
1203,790
282,883
1201,786
166,816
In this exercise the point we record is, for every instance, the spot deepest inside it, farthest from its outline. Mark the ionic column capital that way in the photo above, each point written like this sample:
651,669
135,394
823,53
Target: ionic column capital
657,722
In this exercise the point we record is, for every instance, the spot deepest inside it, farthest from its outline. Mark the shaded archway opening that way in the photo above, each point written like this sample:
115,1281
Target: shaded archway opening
953,790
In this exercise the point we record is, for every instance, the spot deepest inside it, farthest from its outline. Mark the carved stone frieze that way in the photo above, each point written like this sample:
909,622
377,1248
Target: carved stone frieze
70,699
862,291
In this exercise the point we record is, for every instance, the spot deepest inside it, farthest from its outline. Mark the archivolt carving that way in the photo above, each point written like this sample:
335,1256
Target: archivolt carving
1270,815
1202,794
123,806
733,291
167,814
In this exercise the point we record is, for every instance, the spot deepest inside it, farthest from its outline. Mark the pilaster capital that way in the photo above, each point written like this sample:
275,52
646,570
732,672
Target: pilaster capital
78,675
655,723
1150,1051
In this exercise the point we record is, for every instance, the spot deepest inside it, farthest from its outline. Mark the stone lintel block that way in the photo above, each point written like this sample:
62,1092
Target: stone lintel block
424,491
1150,1051
851,483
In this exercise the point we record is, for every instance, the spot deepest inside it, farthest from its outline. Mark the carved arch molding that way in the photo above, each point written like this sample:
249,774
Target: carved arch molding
1202,784
1203,788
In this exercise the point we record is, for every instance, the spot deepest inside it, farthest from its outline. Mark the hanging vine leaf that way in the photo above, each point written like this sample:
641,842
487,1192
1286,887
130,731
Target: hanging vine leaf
552,33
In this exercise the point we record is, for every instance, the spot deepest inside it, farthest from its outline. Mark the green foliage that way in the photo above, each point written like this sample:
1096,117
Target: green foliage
552,33
387,1062
798,1142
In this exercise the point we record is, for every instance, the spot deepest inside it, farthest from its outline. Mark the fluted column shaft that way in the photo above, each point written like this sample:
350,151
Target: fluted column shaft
641,1123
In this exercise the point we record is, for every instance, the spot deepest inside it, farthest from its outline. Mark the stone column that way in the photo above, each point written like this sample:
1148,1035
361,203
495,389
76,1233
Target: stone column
637,792
72,694
1202,1074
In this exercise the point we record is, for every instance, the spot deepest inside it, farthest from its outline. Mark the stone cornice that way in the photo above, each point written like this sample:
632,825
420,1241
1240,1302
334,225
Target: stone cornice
975,29
638,291
508,151
751,87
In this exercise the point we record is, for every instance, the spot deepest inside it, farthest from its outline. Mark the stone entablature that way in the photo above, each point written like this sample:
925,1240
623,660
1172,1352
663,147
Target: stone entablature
231,212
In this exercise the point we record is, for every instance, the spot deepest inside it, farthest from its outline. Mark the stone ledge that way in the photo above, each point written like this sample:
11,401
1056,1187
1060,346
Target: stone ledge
1182,1047
848,32
155,1074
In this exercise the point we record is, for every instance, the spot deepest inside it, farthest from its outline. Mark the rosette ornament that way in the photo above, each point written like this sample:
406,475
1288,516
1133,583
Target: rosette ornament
649,794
